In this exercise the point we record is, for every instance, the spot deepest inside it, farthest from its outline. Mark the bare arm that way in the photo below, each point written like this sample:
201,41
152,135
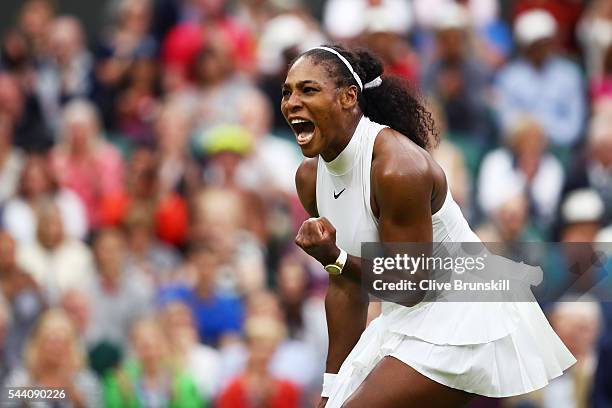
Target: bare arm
402,183
345,306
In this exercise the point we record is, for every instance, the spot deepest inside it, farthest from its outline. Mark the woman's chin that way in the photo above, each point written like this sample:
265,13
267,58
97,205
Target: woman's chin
309,151
309,143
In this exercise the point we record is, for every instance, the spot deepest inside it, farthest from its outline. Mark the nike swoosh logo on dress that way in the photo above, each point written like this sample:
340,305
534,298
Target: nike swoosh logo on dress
338,195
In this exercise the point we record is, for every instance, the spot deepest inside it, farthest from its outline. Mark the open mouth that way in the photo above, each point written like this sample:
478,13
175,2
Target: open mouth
304,130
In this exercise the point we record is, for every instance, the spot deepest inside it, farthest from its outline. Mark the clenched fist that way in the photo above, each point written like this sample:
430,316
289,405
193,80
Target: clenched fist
317,237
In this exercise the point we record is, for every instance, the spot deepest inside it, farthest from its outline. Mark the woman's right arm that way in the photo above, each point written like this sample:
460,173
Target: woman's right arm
345,305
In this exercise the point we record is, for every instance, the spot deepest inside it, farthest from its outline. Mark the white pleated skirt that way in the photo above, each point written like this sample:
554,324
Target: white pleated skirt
491,349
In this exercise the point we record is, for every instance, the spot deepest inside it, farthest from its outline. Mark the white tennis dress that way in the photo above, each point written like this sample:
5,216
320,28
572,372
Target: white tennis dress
496,349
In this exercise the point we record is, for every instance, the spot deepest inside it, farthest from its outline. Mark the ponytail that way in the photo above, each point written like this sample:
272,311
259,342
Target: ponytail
396,105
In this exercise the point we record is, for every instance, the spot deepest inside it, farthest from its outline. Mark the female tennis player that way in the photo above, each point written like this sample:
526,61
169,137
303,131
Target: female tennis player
368,177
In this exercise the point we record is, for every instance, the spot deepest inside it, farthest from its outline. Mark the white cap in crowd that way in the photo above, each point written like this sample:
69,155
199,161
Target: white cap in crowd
583,205
385,20
604,235
281,33
603,241
344,19
452,16
513,187
535,25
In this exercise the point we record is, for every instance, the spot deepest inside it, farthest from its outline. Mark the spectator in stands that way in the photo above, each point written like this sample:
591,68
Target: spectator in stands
19,104
490,38
593,168
581,214
118,294
391,45
213,18
482,12
20,292
173,129
205,22
55,260
508,220
256,386
137,102
525,161
146,253
167,209
233,163
150,379
54,359
128,35
83,161
222,220
457,80
76,304
67,71
255,14
578,323
201,362
565,12
103,354
15,57
302,311
35,19
179,51
221,89
573,267
224,149
218,315
36,186
347,19
294,359
124,44
530,83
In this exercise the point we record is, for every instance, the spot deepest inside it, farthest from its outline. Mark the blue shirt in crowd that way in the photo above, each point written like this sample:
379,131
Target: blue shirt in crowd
554,95
215,316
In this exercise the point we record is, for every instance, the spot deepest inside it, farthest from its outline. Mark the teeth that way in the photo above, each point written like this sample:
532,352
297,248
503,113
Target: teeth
294,121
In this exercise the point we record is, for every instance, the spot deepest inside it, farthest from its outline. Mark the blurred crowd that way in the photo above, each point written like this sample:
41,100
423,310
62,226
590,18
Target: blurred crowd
147,201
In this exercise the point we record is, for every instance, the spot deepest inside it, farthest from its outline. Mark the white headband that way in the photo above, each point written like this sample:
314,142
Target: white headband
372,84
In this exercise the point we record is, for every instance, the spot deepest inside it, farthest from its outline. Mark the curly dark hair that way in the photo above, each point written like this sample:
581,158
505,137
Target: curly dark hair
394,103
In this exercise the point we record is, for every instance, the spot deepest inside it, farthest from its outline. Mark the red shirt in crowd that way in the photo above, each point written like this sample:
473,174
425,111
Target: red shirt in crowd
284,395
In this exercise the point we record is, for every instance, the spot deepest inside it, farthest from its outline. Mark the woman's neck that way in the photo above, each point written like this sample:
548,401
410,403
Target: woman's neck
341,138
